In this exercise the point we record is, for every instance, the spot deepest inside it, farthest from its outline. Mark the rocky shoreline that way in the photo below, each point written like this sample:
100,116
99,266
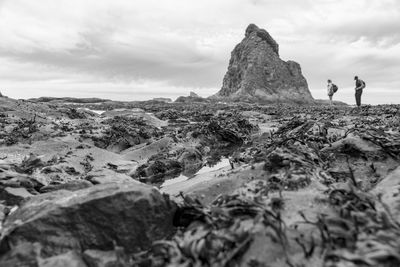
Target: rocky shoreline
299,185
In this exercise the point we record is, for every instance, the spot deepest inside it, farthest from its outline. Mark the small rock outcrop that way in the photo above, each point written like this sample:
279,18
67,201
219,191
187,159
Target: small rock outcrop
193,97
193,94
256,72
130,214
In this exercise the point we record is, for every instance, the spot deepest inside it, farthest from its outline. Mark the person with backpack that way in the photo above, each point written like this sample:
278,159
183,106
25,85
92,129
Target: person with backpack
360,85
332,88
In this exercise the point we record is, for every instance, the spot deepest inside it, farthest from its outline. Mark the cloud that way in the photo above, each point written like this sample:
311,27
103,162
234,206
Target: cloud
118,53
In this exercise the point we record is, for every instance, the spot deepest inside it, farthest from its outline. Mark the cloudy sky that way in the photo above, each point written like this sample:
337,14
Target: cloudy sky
140,49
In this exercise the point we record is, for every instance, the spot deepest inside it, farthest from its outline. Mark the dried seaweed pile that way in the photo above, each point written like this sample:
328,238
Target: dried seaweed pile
361,231
228,127
389,141
216,235
292,166
22,130
125,132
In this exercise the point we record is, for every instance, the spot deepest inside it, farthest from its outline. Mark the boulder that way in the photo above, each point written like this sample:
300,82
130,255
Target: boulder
130,215
257,73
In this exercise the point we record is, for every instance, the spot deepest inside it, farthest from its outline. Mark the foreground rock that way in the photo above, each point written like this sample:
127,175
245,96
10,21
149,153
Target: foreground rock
256,72
128,214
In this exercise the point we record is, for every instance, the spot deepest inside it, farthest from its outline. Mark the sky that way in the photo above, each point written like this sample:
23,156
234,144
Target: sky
141,49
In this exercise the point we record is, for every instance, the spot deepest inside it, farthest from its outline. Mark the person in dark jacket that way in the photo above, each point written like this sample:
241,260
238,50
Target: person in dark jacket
360,85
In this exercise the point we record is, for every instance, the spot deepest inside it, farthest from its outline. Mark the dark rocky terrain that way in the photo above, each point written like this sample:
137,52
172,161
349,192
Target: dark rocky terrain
198,184
257,73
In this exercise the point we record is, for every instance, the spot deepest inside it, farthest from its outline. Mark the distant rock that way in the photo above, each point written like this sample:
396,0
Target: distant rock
193,97
130,214
193,94
162,99
257,73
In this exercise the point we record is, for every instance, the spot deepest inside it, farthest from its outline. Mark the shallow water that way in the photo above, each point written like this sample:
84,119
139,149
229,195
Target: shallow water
99,112
206,169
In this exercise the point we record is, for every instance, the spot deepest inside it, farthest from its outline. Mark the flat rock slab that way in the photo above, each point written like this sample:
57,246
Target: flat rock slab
131,214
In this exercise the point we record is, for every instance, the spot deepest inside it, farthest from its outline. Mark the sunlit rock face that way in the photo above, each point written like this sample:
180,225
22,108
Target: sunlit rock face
257,73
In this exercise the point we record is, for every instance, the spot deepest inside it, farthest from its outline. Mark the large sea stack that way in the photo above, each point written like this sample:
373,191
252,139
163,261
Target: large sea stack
256,72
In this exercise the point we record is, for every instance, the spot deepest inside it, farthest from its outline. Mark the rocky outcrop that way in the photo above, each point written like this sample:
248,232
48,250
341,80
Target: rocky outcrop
256,72
193,97
193,94
130,214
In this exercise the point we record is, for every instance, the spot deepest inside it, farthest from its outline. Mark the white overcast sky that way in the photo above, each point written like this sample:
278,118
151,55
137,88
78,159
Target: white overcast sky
140,49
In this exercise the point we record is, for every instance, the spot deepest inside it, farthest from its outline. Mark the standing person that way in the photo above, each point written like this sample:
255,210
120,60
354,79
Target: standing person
330,91
360,85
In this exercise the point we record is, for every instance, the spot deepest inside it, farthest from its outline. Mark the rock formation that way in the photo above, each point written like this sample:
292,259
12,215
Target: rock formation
256,72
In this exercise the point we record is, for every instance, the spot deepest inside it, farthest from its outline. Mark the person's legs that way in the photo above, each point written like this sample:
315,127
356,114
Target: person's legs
355,95
330,100
358,97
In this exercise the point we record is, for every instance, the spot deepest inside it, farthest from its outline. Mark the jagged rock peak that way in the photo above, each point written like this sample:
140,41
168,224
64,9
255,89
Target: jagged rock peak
257,73
252,29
